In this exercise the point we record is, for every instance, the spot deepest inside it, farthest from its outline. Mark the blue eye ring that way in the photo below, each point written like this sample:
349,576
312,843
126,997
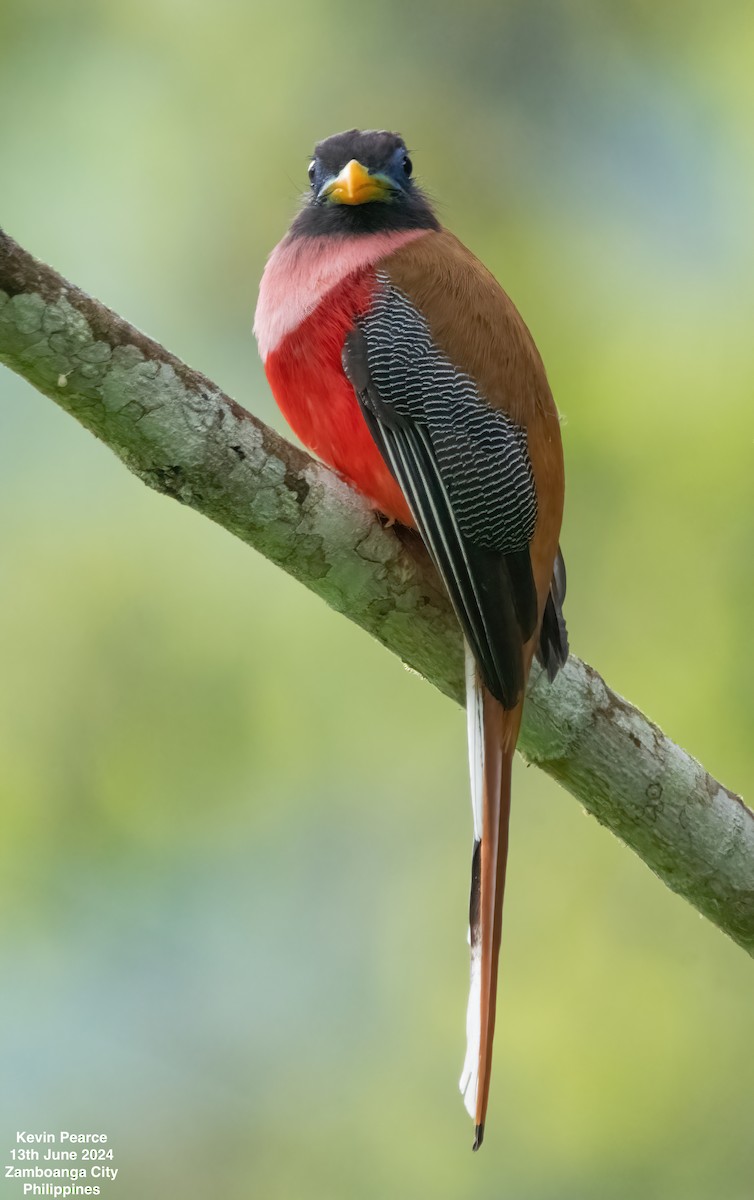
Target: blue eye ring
408,166
312,171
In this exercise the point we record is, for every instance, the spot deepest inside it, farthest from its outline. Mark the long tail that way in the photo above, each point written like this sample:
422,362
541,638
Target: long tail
492,742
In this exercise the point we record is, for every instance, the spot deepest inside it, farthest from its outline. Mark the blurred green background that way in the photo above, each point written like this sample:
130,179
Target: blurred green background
234,859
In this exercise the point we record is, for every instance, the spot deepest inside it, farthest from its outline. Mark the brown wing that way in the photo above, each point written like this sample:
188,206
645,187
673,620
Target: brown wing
464,469
476,325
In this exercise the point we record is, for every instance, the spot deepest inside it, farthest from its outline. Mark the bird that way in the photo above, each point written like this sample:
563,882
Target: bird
398,359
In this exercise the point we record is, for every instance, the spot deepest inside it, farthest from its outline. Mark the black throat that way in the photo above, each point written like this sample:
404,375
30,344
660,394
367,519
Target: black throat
411,211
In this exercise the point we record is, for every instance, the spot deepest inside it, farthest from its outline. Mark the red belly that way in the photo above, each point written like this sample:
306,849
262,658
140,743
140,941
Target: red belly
308,382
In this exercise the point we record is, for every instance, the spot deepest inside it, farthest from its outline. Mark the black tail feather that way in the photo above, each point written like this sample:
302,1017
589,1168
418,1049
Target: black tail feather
552,651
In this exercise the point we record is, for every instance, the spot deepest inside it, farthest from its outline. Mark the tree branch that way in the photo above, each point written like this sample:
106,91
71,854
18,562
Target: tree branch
178,432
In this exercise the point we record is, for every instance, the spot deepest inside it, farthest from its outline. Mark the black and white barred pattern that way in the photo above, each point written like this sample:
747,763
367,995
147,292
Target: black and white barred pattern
481,454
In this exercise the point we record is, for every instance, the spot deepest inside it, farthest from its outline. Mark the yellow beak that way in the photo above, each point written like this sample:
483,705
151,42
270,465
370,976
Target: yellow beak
355,185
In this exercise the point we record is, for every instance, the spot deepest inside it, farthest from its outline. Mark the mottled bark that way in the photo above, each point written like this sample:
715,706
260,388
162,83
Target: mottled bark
178,432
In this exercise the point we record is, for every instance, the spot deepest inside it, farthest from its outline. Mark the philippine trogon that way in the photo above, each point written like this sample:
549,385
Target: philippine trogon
397,358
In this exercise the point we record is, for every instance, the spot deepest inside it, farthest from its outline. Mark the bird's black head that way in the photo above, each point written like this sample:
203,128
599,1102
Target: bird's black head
361,182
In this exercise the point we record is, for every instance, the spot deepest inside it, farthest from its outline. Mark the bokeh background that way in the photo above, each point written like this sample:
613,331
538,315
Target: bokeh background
235,832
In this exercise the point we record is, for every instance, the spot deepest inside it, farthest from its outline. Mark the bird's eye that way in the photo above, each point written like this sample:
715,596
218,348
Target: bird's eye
312,171
408,166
